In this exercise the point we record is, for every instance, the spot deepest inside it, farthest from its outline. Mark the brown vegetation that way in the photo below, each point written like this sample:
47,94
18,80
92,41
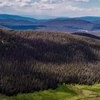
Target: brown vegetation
32,60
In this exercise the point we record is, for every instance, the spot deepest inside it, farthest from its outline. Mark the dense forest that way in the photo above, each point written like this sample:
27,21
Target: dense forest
33,60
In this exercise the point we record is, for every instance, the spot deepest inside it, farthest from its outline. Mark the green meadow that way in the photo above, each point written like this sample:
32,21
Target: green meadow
63,92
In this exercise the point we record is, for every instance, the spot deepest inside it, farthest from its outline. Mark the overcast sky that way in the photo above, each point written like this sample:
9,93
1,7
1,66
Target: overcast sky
50,8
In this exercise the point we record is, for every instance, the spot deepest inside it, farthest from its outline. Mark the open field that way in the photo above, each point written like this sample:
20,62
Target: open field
62,92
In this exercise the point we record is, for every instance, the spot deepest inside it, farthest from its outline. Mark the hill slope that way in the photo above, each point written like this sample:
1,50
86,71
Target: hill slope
17,22
16,17
32,60
68,25
90,18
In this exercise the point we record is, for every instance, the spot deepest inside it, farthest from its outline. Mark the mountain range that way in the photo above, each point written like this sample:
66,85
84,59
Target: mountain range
63,24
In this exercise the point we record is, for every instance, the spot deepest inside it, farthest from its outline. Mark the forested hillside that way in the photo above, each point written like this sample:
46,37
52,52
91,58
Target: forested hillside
33,60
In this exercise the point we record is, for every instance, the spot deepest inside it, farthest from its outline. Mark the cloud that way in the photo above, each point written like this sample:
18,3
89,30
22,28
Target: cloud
60,1
81,0
49,7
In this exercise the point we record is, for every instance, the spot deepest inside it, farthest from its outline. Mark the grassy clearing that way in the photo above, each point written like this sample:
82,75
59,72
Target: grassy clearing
63,92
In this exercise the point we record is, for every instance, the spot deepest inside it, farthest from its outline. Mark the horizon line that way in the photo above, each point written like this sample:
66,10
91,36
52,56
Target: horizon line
49,17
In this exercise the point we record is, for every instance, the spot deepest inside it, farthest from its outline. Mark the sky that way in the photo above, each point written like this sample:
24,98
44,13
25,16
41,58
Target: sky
50,8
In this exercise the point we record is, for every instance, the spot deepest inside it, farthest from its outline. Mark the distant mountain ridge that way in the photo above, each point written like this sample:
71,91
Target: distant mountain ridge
17,22
62,24
90,18
16,17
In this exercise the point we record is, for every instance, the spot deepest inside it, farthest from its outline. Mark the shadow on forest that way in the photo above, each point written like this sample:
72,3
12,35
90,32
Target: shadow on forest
87,35
46,51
